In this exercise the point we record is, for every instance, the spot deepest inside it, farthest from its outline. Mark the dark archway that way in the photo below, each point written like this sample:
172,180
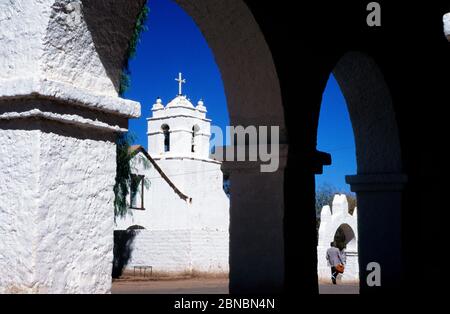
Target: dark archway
379,180
123,247
135,227
253,96
398,55
166,133
372,114
343,236
410,59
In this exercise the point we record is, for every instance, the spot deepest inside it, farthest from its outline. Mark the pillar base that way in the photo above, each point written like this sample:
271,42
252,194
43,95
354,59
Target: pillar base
379,227
57,170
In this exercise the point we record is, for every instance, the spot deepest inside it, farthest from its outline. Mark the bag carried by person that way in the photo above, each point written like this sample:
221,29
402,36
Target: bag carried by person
340,268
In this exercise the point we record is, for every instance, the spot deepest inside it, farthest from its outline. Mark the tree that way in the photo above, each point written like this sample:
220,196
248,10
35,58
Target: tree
324,196
126,183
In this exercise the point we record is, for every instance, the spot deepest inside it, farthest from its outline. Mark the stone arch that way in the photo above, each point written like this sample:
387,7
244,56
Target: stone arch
349,226
105,28
349,235
379,185
371,112
253,97
135,227
244,59
379,181
241,52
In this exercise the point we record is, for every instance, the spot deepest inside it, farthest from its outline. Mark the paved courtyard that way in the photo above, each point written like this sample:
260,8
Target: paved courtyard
201,286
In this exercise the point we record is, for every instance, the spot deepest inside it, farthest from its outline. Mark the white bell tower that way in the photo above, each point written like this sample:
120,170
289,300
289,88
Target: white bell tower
179,129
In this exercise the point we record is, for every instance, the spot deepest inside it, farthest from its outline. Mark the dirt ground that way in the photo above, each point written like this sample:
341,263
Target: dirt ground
343,288
185,285
171,286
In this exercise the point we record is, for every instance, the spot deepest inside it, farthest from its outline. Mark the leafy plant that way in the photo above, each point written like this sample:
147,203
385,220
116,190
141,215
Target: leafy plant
132,47
324,196
125,180
124,81
123,141
138,29
123,174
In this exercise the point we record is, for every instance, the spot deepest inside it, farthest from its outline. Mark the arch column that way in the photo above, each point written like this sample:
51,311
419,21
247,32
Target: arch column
379,226
254,99
379,182
59,117
256,250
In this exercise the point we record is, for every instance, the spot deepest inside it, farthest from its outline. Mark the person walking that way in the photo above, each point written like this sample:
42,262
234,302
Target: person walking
334,258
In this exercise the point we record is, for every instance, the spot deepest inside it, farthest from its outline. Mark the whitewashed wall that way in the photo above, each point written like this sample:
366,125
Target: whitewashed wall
330,220
181,251
181,236
446,21
51,211
59,116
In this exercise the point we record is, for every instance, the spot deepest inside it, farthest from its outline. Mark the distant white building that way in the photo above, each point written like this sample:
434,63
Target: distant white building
331,219
178,205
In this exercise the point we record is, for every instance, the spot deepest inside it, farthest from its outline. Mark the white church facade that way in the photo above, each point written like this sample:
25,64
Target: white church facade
332,219
178,208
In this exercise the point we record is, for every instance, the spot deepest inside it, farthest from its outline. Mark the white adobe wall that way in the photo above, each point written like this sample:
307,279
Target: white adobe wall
170,221
209,251
22,25
165,210
59,114
181,251
330,220
17,192
74,231
51,209
166,252
50,39
446,21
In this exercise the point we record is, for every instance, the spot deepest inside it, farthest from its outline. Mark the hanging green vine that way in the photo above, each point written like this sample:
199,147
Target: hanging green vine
125,181
123,174
124,140
132,47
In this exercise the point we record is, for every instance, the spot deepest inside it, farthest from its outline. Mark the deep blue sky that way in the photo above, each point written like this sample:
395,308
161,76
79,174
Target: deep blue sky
335,136
173,44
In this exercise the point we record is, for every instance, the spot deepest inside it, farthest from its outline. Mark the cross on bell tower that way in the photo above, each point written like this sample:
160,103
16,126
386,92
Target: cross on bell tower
179,128
180,81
